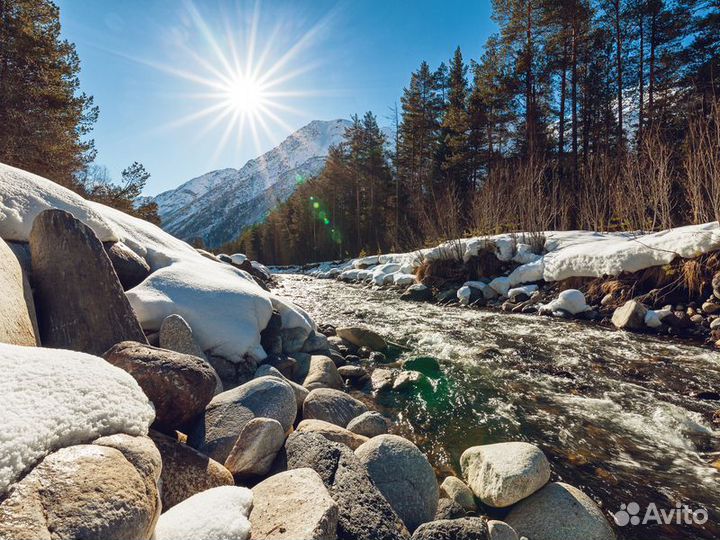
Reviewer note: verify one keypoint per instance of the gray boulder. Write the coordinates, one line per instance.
(559, 512)
(370, 424)
(130, 268)
(382, 379)
(403, 475)
(179, 385)
(630, 316)
(293, 339)
(227, 414)
(256, 448)
(293, 505)
(364, 514)
(332, 406)
(502, 474)
(449, 509)
(86, 491)
(80, 303)
(176, 335)
(499, 530)
(322, 373)
(301, 392)
(458, 491)
(453, 529)
(18, 325)
(362, 337)
(315, 342)
(185, 471)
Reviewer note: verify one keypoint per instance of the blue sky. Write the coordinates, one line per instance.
(154, 66)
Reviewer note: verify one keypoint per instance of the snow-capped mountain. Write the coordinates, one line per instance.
(218, 205)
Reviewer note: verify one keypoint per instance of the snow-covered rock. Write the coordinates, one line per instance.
(654, 317)
(54, 398)
(219, 513)
(238, 258)
(501, 285)
(224, 306)
(527, 290)
(570, 300)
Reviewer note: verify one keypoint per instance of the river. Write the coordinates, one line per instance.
(616, 413)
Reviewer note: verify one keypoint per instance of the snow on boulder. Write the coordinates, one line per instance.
(219, 513)
(24, 195)
(570, 300)
(403, 279)
(654, 317)
(54, 398)
(501, 285)
(238, 258)
(527, 290)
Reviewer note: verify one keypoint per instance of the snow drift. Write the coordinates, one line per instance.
(224, 306)
(54, 398)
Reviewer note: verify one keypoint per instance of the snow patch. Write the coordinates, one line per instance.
(570, 300)
(219, 513)
(53, 398)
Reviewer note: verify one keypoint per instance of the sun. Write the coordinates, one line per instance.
(245, 94)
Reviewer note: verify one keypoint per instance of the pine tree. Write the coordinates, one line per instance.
(44, 117)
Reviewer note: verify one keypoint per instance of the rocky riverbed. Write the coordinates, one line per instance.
(626, 417)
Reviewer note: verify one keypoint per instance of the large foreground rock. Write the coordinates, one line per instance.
(362, 337)
(559, 512)
(84, 491)
(453, 529)
(185, 471)
(332, 406)
(17, 316)
(216, 514)
(294, 505)
(364, 514)
(403, 475)
(227, 414)
(502, 474)
(179, 385)
(130, 268)
(80, 303)
(256, 447)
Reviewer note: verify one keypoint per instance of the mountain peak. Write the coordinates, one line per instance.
(216, 206)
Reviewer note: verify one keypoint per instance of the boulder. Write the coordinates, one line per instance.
(409, 379)
(18, 324)
(364, 514)
(293, 339)
(83, 491)
(499, 530)
(300, 391)
(457, 490)
(270, 337)
(176, 335)
(354, 374)
(369, 424)
(502, 474)
(453, 529)
(256, 447)
(417, 293)
(293, 505)
(716, 285)
(332, 432)
(322, 373)
(449, 509)
(362, 337)
(315, 342)
(382, 379)
(630, 316)
(559, 512)
(332, 406)
(216, 432)
(185, 471)
(80, 303)
(220, 513)
(179, 385)
(403, 475)
(131, 269)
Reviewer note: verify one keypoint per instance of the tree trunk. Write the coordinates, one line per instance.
(573, 97)
(641, 78)
(619, 66)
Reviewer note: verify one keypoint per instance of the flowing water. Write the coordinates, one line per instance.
(616, 413)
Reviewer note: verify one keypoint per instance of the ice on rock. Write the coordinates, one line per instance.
(53, 398)
(220, 513)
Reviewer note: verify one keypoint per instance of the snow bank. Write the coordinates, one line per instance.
(24, 195)
(219, 513)
(53, 398)
(224, 306)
